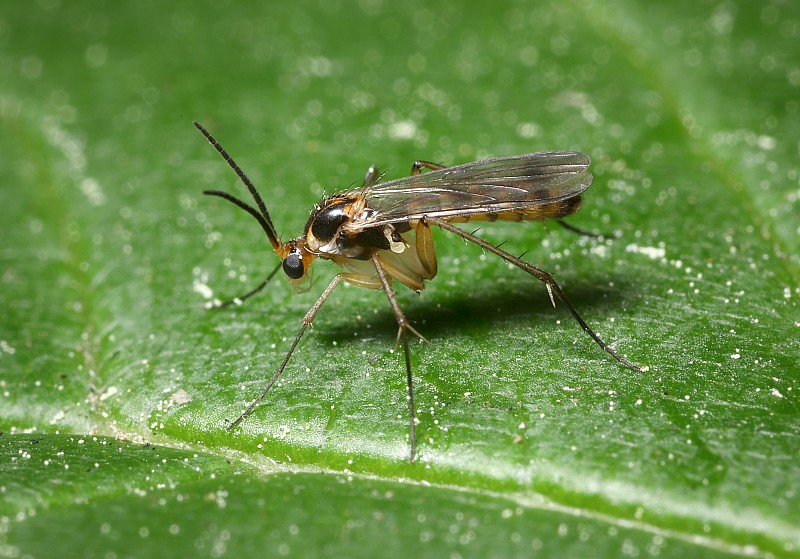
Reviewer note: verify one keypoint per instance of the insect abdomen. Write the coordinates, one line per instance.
(556, 210)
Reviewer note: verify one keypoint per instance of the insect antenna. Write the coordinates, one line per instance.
(263, 219)
(265, 225)
(261, 215)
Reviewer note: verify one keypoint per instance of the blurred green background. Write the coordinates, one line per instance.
(115, 381)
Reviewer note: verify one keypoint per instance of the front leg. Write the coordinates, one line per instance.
(307, 320)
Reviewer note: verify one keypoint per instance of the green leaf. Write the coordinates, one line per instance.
(117, 382)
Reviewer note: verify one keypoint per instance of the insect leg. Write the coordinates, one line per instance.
(419, 165)
(403, 325)
(541, 275)
(578, 230)
(307, 320)
(372, 176)
(239, 300)
(584, 232)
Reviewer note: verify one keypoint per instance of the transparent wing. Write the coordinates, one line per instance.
(492, 186)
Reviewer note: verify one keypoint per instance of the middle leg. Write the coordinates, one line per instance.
(402, 337)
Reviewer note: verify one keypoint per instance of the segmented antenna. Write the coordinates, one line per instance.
(262, 215)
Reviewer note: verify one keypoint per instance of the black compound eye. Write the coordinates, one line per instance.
(328, 221)
(293, 266)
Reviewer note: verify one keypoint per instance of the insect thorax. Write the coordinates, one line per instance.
(338, 227)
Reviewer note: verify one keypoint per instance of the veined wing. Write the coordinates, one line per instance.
(493, 186)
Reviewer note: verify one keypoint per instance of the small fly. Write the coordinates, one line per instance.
(381, 232)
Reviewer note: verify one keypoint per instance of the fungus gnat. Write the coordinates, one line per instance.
(381, 232)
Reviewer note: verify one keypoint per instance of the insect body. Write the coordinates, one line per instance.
(381, 232)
